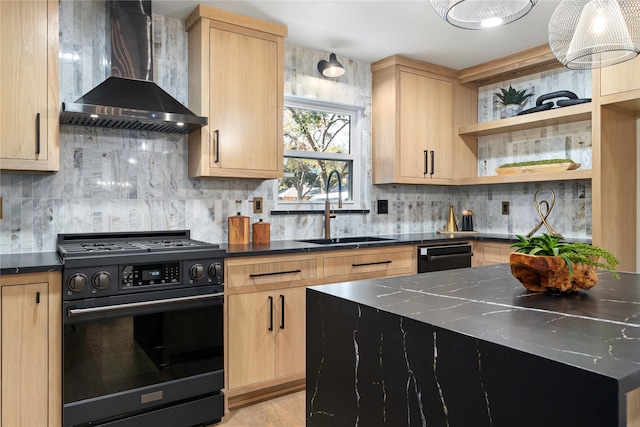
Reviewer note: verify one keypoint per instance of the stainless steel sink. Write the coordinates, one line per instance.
(337, 240)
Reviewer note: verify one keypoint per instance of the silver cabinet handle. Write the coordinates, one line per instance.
(73, 312)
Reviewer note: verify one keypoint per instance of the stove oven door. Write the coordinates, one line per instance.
(145, 359)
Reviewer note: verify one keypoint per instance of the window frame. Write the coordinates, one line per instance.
(354, 156)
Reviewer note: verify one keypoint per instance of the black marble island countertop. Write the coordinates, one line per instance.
(472, 347)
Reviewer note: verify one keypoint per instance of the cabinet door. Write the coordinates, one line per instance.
(28, 77)
(251, 338)
(621, 77)
(244, 107)
(426, 126)
(290, 331)
(25, 358)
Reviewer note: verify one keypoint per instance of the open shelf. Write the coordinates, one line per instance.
(526, 177)
(571, 114)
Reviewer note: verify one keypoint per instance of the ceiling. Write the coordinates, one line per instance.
(372, 30)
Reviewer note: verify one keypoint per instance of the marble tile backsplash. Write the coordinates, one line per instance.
(114, 180)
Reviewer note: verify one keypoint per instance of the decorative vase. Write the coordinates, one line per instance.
(551, 274)
(510, 110)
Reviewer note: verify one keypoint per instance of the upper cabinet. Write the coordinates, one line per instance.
(236, 79)
(29, 139)
(413, 122)
(620, 78)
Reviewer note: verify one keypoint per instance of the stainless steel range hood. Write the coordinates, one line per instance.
(129, 99)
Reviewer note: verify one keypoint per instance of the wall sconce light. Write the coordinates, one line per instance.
(331, 68)
(593, 34)
(477, 15)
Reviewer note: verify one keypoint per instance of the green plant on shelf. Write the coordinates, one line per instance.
(511, 96)
(536, 162)
(583, 253)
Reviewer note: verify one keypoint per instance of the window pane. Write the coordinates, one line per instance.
(305, 180)
(319, 131)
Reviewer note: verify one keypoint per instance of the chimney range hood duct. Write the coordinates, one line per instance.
(129, 99)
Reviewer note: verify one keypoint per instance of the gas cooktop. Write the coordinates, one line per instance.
(101, 246)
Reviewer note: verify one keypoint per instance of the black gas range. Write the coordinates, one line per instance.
(142, 329)
(105, 264)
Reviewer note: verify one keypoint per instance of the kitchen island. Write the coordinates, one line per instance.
(472, 347)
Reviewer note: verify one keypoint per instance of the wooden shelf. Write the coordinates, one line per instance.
(628, 100)
(571, 114)
(526, 177)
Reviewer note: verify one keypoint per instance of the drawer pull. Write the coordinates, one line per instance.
(274, 273)
(372, 263)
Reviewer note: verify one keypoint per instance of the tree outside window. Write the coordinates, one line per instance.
(318, 138)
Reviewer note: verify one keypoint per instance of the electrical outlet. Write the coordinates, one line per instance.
(383, 206)
(257, 205)
(505, 208)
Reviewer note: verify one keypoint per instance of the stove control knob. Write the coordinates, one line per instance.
(77, 282)
(215, 270)
(196, 272)
(101, 280)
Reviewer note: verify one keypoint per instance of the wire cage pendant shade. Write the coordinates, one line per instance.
(480, 14)
(586, 34)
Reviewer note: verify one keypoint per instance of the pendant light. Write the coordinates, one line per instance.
(480, 14)
(332, 68)
(587, 34)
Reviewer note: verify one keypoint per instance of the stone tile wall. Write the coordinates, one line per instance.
(113, 180)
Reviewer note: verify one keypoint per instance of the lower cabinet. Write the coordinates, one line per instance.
(266, 336)
(490, 253)
(265, 323)
(30, 350)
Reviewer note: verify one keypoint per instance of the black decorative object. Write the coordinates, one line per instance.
(572, 99)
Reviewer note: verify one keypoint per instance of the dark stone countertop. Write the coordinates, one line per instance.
(295, 246)
(36, 262)
(596, 330)
(47, 261)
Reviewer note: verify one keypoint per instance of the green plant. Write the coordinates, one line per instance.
(512, 96)
(536, 162)
(550, 245)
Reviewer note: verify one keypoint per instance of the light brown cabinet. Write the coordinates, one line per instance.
(613, 143)
(266, 336)
(266, 311)
(414, 112)
(620, 78)
(265, 322)
(236, 78)
(30, 350)
(29, 139)
(345, 265)
(490, 253)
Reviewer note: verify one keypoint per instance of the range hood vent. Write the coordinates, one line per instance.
(129, 99)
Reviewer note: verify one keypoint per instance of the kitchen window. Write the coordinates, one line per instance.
(319, 136)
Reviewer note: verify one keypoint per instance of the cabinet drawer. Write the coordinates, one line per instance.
(270, 272)
(496, 253)
(356, 264)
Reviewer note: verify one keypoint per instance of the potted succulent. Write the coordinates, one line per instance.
(512, 101)
(547, 263)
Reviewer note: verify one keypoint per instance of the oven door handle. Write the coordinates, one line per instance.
(463, 255)
(74, 312)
